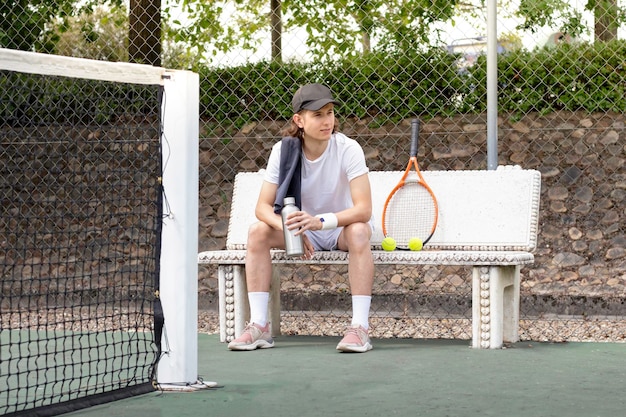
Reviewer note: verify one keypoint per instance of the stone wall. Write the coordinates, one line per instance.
(582, 244)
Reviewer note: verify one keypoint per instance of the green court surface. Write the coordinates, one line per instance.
(305, 376)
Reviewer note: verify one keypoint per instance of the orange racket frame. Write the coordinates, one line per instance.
(415, 124)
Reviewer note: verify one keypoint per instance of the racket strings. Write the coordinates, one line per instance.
(411, 212)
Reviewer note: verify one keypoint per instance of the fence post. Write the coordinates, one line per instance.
(492, 84)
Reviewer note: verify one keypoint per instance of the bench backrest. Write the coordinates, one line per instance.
(478, 210)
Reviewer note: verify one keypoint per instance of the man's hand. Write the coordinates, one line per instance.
(309, 251)
(303, 221)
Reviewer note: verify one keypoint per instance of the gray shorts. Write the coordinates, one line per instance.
(324, 239)
(327, 239)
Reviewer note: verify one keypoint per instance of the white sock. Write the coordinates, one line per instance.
(361, 310)
(258, 307)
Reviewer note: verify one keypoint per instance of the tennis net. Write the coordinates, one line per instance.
(80, 231)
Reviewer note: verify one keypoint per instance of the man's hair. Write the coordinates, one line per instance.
(294, 131)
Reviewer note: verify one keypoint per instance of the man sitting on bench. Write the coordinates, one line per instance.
(327, 174)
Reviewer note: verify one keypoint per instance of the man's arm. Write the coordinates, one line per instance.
(264, 210)
(361, 193)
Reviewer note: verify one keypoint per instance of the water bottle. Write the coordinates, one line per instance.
(294, 246)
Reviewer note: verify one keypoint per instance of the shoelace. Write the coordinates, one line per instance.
(250, 326)
(354, 331)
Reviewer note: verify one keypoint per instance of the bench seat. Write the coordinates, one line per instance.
(424, 257)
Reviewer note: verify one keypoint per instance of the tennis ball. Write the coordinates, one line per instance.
(415, 243)
(388, 243)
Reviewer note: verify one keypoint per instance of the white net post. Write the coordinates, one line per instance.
(178, 366)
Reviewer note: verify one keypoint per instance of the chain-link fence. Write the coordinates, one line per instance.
(561, 110)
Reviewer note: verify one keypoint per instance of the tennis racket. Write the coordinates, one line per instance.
(411, 210)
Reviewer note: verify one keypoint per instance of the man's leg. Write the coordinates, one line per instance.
(261, 238)
(355, 239)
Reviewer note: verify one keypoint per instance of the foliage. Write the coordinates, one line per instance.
(101, 34)
(558, 13)
(335, 27)
(395, 85)
(587, 77)
(391, 85)
(96, 29)
(204, 27)
(25, 24)
(67, 100)
(395, 80)
(250, 92)
(565, 16)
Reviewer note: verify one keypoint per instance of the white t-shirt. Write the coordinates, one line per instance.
(325, 181)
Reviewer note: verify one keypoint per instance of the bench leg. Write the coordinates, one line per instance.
(234, 309)
(224, 315)
(242, 306)
(495, 306)
(274, 306)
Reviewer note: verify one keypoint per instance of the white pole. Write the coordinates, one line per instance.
(178, 366)
(492, 84)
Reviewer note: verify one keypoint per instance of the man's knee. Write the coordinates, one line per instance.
(257, 229)
(358, 235)
(258, 234)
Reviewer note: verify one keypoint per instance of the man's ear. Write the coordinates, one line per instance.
(297, 119)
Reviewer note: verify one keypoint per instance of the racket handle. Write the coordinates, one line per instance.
(415, 131)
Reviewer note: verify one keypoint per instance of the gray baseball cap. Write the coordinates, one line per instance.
(312, 97)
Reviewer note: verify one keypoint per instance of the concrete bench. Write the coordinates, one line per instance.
(487, 220)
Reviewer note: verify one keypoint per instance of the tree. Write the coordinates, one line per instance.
(204, 29)
(336, 27)
(23, 22)
(276, 19)
(144, 33)
(564, 17)
(101, 34)
(606, 18)
(35, 25)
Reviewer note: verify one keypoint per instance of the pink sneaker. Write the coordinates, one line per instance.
(356, 339)
(253, 337)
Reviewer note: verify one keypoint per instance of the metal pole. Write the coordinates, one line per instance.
(492, 85)
(179, 280)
